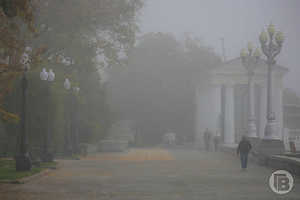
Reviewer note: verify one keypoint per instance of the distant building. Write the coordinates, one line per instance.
(222, 102)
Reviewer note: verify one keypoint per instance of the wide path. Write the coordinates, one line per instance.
(151, 174)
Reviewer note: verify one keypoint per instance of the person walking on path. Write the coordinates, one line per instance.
(243, 150)
(207, 137)
(217, 141)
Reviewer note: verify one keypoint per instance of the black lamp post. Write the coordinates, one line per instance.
(75, 131)
(23, 160)
(47, 156)
(71, 104)
(68, 151)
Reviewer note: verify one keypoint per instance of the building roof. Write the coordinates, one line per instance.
(261, 62)
(233, 72)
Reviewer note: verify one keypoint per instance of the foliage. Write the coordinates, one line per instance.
(75, 38)
(105, 28)
(17, 24)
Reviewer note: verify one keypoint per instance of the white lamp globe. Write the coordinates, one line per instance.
(51, 75)
(44, 75)
(67, 84)
(76, 89)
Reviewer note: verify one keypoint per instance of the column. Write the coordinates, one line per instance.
(277, 105)
(222, 116)
(280, 114)
(198, 133)
(251, 108)
(216, 107)
(263, 109)
(229, 135)
(271, 129)
(208, 108)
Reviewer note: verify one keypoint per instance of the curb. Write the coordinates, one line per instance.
(35, 176)
(27, 179)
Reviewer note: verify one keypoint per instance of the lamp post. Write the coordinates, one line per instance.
(67, 147)
(71, 137)
(47, 77)
(271, 45)
(23, 160)
(74, 134)
(249, 61)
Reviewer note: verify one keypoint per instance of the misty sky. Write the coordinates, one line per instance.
(238, 21)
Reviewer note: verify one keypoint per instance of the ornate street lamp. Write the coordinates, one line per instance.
(75, 130)
(249, 61)
(271, 49)
(271, 45)
(71, 137)
(47, 156)
(68, 146)
(23, 160)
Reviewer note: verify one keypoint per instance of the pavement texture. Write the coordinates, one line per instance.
(151, 174)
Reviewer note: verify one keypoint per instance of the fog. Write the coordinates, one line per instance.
(164, 71)
(149, 99)
(238, 22)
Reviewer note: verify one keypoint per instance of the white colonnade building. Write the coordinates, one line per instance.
(222, 102)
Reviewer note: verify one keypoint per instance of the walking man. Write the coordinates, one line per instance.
(207, 136)
(217, 141)
(243, 150)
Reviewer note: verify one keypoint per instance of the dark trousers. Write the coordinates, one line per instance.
(244, 160)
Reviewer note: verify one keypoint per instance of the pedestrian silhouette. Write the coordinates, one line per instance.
(207, 138)
(243, 150)
(217, 139)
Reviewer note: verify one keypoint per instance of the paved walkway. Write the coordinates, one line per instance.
(151, 174)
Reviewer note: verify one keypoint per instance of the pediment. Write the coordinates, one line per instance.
(235, 66)
(233, 72)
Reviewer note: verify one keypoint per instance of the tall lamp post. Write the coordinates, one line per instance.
(250, 60)
(271, 45)
(47, 77)
(71, 137)
(75, 134)
(67, 147)
(23, 160)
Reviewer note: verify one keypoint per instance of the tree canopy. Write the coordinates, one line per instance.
(74, 38)
(157, 88)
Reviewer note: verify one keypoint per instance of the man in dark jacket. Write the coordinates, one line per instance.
(243, 150)
(217, 139)
(207, 137)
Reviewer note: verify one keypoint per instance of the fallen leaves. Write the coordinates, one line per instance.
(134, 155)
